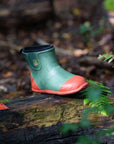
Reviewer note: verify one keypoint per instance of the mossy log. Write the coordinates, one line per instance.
(37, 120)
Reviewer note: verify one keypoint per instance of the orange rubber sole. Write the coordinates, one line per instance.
(3, 107)
(62, 93)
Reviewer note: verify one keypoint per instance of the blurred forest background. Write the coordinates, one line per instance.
(80, 30)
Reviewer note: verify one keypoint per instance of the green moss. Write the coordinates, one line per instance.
(51, 114)
(41, 115)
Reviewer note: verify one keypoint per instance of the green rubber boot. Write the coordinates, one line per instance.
(47, 76)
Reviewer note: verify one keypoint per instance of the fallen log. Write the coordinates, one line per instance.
(37, 119)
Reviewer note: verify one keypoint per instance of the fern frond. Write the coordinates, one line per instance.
(96, 96)
(106, 57)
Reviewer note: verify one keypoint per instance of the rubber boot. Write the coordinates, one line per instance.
(47, 76)
(3, 107)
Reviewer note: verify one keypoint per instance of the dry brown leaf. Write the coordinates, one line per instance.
(8, 74)
(79, 52)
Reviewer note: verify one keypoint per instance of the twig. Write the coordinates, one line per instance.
(58, 50)
(88, 60)
(9, 44)
(3, 81)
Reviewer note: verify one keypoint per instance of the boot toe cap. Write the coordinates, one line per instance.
(3, 107)
(76, 83)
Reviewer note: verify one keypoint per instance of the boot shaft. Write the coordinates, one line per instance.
(47, 75)
(40, 57)
(44, 68)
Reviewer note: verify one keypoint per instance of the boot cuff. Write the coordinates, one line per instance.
(37, 48)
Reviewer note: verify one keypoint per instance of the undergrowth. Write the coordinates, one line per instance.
(109, 5)
(106, 57)
(96, 98)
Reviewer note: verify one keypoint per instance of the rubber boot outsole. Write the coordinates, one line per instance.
(62, 93)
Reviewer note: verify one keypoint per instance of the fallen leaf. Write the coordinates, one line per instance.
(79, 52)
(8, 74)
(76, 11)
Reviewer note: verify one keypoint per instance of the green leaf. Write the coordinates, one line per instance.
(106, 57)
(86, 140)
(86, 101)
(109, 131)
(96, 96)
(109, 108)
(109, 5)
(84, 123)
(68, 127)
(103, 112)
(4, 101)
(83, 29)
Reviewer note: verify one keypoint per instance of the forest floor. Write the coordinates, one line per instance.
(77, 49)
(77, 53)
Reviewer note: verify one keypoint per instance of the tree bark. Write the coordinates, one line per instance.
(38, 118)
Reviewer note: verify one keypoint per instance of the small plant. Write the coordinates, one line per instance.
(96, 139)
(109, 5)
(87, 31)
(106, 57)
(4, 101)
(95, 95)
(87, 28)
